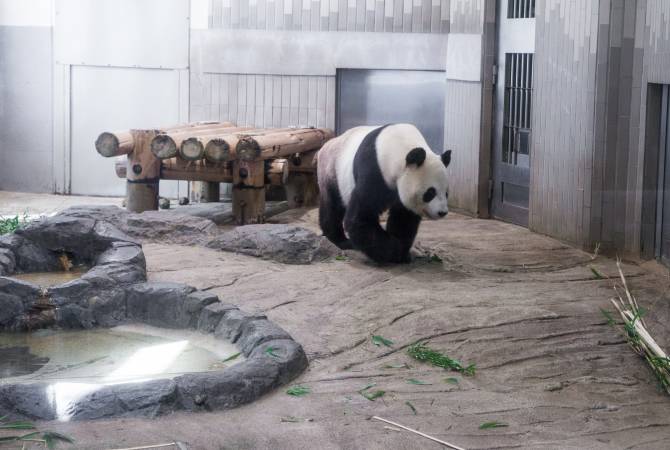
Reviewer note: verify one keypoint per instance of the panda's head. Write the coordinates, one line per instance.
(422, 186)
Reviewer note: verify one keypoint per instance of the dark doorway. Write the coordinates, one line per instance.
(378, 97)
(656, 196)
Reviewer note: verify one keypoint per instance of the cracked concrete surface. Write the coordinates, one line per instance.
(523, 307)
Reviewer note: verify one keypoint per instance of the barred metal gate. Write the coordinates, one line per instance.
(514, 89)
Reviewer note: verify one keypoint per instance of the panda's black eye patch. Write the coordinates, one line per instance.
(429, 194)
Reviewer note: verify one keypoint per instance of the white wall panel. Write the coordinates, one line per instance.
(129, 33)
(23, 13)
(109, 99)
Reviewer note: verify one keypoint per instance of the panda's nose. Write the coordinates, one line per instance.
(442, 213)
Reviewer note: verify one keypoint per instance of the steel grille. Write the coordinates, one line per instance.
(521, 9)
(517, 115)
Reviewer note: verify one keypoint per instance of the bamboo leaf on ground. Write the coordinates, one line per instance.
(493, 424)
(379, 340)
(298, 391)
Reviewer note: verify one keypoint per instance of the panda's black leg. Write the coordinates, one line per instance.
(331, 215)
(403, 224)
(368, 236)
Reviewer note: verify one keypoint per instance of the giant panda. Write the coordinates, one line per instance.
(368, 170)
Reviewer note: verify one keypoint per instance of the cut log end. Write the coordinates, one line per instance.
(107, 145)
(217, 150)
(191, 149)
(248, 149)
(163, 147)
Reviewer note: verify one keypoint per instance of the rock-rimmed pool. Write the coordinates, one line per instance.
(112, 297)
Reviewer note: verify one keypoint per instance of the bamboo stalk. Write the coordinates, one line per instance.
(434, 439)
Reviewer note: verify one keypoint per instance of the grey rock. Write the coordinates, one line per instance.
(166, 226)
(28, 256)
(28, 292)
(233, 322)
(124, 253)
(243, 382)
(257, 332)
(211, 315)
(160, 304)
(73, 316)
(71, 292)
(7, 261)
(113, 274)
(59, 233)
(288, 355)
(108, 308)
(283, 243)
(194, 304)
(29, 401)
(107, 233)
(11, 307)
(147, 399)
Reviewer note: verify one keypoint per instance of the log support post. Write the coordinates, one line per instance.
(209, 191)
(249, 191)
(302, 190)
(142, 174)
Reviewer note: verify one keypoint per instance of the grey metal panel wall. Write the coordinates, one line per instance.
(418, 16)
(563, 117)
(468, 105)
(264, 100)
(461, 133)
(652, 56)
(614, 219)
(26, 143)
(466, 16)
(656, 40)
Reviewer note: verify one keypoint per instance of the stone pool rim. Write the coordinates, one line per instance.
(114, 292)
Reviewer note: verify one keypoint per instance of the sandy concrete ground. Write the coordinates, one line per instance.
(524, 308)
(13, 203)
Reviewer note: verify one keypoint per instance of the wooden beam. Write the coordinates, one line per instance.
(280, 143)
(114, 144)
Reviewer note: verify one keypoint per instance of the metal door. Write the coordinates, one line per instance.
(112, 98)
(662, 234)
(513, 98)
(378, 97)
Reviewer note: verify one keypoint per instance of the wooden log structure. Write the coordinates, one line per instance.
(282, 143)
(210, 153)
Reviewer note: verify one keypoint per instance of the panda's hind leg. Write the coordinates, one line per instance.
(403, 224)
(331, 215)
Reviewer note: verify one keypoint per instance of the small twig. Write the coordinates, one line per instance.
(145, 447)
(595, 251)
(419, 433)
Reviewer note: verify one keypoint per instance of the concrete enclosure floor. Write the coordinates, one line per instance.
(523, 307)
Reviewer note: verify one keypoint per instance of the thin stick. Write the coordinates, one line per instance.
(171, 444)
(419, 433)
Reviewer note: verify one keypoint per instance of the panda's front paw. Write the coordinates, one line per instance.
(405, 259)
(345, 245)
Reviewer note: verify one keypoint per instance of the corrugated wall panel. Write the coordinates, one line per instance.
(563, 117)
(264, 100)
(415, 16)
(462, 134)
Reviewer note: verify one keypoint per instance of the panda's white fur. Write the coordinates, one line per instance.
(368, 170)
(393, 144)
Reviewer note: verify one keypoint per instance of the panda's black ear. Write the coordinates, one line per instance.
(416, 156)
(446, 158)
